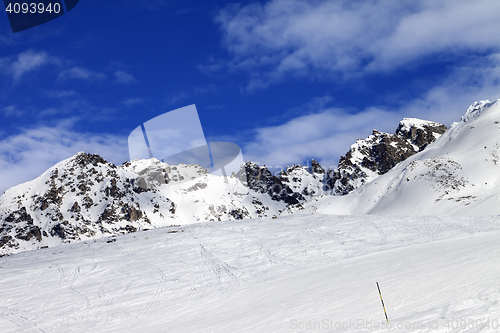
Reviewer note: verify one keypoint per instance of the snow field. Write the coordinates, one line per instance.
(302, 273)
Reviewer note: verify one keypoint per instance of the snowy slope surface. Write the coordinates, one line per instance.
(290, 274)
(458, 174)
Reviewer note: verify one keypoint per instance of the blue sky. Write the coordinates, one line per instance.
(286, 80)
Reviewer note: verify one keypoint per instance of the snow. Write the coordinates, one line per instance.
(262, 275)
(475, 109)
(407, 123)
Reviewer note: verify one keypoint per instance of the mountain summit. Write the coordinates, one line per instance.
(374, 156)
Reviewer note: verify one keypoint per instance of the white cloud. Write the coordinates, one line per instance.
(193, 92)
(440, 26)
(327, 39)
(59, 93)
(27, 61)
(81, 73)
(30, 61)
(12, 111)
(27, 155)
(448, 100)
(150, 4)
(130, 102)
(123, 77)
(177, 97)
(324, 136)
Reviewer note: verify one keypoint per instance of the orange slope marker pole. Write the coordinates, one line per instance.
(382, 303)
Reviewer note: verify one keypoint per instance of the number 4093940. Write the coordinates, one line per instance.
(33, 8)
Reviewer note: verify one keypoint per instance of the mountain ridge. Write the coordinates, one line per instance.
(86, 197)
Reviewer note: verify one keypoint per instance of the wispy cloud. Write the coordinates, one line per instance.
(447, 100)
(82, 74)
(130, 102)
(8, 38)
(59, 93)
(183, 95)
(324, 136)
(76, 109)
(177, 97)
(337, 39)
(31, 61)
(25, 62)
(150, 4)
(12, 111)
(28, 61)
(123, 77)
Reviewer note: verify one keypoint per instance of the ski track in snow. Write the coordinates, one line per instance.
(76, 275)
(19, 319)
(217, 266)
(54, 292)
(193, 279)
(161, 284)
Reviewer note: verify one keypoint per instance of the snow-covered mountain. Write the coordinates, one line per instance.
(416, 171)
(87, 197)
(458, 174)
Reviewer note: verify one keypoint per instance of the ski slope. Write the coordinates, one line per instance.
(300, 273)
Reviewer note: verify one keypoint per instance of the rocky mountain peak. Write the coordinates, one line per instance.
(261, 180)
(84, 159)
(380, 152)
(79, 198)
(316, 168)
(418, 132)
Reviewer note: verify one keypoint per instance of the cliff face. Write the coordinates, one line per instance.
(380, 152)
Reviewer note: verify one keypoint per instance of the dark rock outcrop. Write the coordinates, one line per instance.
(261, 180)
(380, 152)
